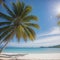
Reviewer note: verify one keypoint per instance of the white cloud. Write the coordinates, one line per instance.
(54, 30)
(51, 38)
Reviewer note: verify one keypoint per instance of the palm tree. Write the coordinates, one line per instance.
(18, 23)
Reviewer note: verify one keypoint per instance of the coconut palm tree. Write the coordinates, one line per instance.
(18, 23)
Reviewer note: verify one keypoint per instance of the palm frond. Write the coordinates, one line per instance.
(4, 23)
(1, 49)
(4, 16)
(2, 29)
(5, 33)
(20, 7)
(29, 33)
(9, 36)
(30, 18)
(32, 33)
(8, 10)
(23, 34)
(32, 25)
(23, 6)
(14, 8)
(18, 33)
(26, 11)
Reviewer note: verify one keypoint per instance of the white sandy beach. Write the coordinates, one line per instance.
(40, 56)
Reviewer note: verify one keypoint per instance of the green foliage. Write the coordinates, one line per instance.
(18, 22)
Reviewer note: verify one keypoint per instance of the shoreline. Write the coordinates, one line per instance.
(30, 56)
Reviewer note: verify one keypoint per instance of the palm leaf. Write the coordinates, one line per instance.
(30, 18)
(4, 29)
(4, 23)
(6, 36)
(14, 8)
(8, 10)
(18, 33)
(20, 7)
(26, 11)
(4, 16)
(32, 25)
(29, 33)
(5, 32)
(32, 33)
(9, 36)
(24, 36)
(23, 33)
(6, 42)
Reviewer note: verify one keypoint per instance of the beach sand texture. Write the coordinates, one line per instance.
(42, 56)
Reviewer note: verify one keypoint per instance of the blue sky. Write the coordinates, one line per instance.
(46, 11)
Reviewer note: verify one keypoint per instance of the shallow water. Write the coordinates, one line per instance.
(31, 50)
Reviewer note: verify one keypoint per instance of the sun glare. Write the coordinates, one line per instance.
(58, 9)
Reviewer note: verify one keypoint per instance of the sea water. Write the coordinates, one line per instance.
(31, 50)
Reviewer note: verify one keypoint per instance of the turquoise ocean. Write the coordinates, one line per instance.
(31, 50)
